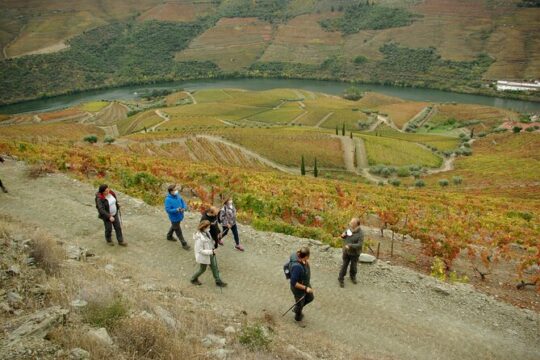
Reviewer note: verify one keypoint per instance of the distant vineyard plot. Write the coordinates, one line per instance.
(302, 40)
(233, 44)
(178, 11)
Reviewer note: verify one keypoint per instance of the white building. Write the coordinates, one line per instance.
(517, 86)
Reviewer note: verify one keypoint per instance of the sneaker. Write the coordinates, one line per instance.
(171, 239)
(196, 282)
(353, 280)
(122, 243)
(301, 324)
(4, 190)
(220, 241)
(110, 243)
(221, 284)
(341, 283)
(186, 247)
(299, 318)
(239, 247)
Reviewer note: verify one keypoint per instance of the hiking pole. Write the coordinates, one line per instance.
(296, 303)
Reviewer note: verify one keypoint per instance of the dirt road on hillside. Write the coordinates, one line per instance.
(393, 313)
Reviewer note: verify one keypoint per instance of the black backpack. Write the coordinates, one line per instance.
(287, 267)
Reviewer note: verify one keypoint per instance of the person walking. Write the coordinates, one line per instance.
(175, 208)
(300, 282)
(227, 217)
(211, 214)
(205, 254)
(109, 211)
(2, 185)
(353, 240)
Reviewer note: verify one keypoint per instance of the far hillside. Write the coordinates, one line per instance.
(60, 47)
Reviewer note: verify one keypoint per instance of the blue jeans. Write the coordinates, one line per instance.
(234, 230)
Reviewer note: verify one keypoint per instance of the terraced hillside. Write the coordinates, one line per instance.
(456, 45)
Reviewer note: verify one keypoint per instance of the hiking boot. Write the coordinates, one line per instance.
(239, 247)
(298, 317)
(110, 243)
(196, 282)
(186, 247)
(122, 243)
(171, 239)
(4, 190)
(221, 284)
(341, 283)
(301, 324)
(353, 280)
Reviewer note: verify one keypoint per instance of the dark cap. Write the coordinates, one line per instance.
(171, 187)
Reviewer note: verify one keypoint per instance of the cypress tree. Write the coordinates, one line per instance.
(351, 134)
(343, 130)
(315, 171)
(302, 167)
(337, 132)
(355, 159)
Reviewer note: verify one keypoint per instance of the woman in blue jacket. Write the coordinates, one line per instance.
(175, 207)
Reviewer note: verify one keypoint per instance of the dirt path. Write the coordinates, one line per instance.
(162, 115)
(388, 122)
(421, 114)
(393, 313)
(111, 131)
(324, 119)
(298, 118)
(193, 97)
(361, 154)
(348, 145)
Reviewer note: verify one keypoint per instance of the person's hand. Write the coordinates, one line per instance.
(309, 290)
(111, 219)
(229, 226)
(347, 247)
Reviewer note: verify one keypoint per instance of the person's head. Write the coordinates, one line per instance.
(228, 201)
(303, 253)
(203, 225)
(172, 189)
(212, 210)
(354, 223)
(103, 189)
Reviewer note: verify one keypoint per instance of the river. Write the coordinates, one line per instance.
(329, 87)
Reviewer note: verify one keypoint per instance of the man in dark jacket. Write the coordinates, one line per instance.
(300, 282)
(211, 214)
(108, 211)
(2, 185)
(175, 208)
(353, 240)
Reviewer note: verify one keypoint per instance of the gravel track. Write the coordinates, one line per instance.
(393, 312)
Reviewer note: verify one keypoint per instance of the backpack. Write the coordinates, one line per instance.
(287, 267)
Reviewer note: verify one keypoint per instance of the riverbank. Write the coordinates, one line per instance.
(131, 91)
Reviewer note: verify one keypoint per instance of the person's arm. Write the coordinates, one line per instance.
(169, 208)
(359, 241)
(183, 205)
(101, 209)
(296, 274)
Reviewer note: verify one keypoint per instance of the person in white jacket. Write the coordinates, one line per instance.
(205, 254)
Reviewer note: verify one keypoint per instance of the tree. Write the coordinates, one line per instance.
(355, 159)
(108, 140)
(91, 139)
(443, 182)
(302, 167)
(516, 129)
(337, 131)
(351, 135)
(315, 170)
(343, 130)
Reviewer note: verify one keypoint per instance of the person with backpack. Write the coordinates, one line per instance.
(2, 185)
(300, 276)
(227, 217)
(175, 208)
(353, 240)
(109, 211)
(205, 254)
(211, 214)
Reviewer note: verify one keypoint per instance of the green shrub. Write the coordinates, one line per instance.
(443, 182)
(419, 183)
(395, 182)
(255, 337)
(403, 172)
(516, 129)
(360, 60)
(105, 314)
(109, 140)
(457, 180)
(91, 139)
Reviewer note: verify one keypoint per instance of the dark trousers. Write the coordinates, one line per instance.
(2, 185)
(175, 227)
(349, 259)
(301, 303)
(234, 230)
(117, 229)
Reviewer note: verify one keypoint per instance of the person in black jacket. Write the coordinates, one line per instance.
(108, 211)
(353, 240)
(211, 214)
(2, 185)
(301, 282)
